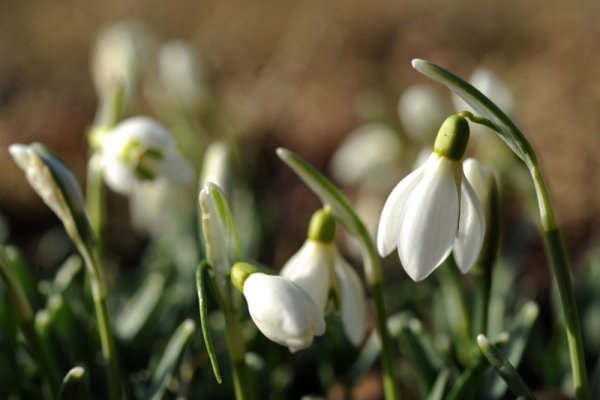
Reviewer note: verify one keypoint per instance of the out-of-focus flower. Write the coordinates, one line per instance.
(54, 182)
(120, 53)
(422, 110)
(490, 84)
(434, 210)
(182, 76)
(139, 149)
(281, 310)
(330, 281)
(368, 150)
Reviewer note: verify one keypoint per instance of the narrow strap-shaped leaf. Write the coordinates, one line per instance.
(507, 130)
(75, 386)
(138, 309)
(437, 391)
(170, 360)
(204, 323)
(514, 349)
(504, 368)
(411, 346)
(469, 382)
(327, 192)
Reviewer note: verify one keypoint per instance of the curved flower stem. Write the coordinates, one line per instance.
(331, 196)
(562, 274)
(25, 318)
(107, 341)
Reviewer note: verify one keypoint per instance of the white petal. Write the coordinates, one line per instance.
(430, 220)
(354, 303)
(283, 311)
(389, 222)
(471, 230)
(309, 269)
(175, 168)
(118, 176)
(147, 130)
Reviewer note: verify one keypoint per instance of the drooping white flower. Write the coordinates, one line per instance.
(319, 269)
(182, 75)
(434, 210)
(281, 310)
(139, 149)
(421, 111)
(119, 56)
(368, 150)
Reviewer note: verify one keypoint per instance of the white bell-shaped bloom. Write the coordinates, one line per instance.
(282, 310)
(320, 270)
(434, 210)
(139, 149)
(421, 111)
(367, 151)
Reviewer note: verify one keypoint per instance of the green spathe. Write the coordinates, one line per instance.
(322, 226)
(452, 138)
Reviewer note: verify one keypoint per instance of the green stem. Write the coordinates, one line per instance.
(96, 199)
(562, 274)
(373, 275)
(107, 341)
(237, 353)
(25, 318)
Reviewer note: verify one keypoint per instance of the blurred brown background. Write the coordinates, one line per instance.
(291, 73)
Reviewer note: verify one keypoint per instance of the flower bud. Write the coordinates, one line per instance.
(54, 182)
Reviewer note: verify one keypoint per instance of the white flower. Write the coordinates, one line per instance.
(183, 77)
(319, 269)
(330, 281)
(140, 149)
(434, 210)
(368, 150)
(421, 110)
(282, 311)
(119, 55)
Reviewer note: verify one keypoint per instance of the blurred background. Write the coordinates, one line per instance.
(303, 75)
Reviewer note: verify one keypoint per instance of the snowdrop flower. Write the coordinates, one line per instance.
(281, 310)
(330, 281)
(434, 210)
(139, 149)
(421, 110)
(369, 149)
(183, 76)
(118, 57)
(54, 182)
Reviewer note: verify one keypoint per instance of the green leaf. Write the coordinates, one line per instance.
(138, 309)
(170, 360)
(325, 189)
(74, 386)
(204, 322)
(437, 391)
(469, 382)
(514, 349)
(504, 368)
(482, 105)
